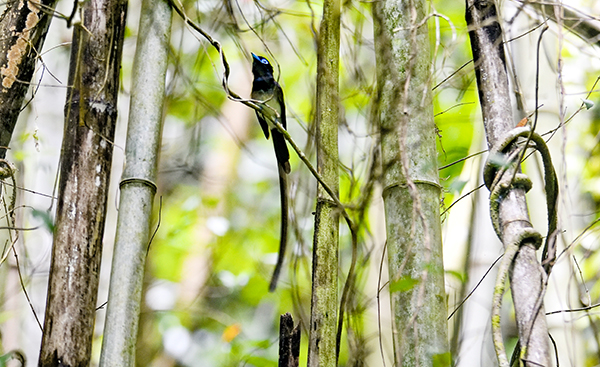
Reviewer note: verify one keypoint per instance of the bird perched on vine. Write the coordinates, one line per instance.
(266, 89)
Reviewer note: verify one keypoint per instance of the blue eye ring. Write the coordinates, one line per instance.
(264, 61)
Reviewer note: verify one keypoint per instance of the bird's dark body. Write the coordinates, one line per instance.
(266, 89)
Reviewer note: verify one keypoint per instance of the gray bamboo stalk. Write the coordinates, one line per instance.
(90, 119)
(527, 277)
(137, 188)
(324, 302)
(411, 190)
(23, 28)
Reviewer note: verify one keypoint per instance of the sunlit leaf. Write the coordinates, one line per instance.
(403, 284)
(442, 360)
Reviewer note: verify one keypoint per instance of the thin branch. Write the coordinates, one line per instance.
(476, 286)
(24, 289)
(586, 308)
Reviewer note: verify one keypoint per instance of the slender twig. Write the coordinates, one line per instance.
(19, 228)
(379, 288)
(450, 108)
(460, 198)
(578, 237)
(24, 289)
(462, 159)
(476, 286)
(587, 291)
(535, 118)
(157, 225)
(453, 74)
(586, 308)
(262, 107)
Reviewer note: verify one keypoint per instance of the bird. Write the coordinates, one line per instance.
(266, 89)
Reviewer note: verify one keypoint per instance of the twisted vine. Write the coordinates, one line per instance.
(500, 179)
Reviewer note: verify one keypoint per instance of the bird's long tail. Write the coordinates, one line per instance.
(284, 226)
(281, 150)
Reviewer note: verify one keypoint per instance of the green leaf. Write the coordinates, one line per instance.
(260, 361)
(12, 355)
(45, 217)
(442, 360)
(498, 160)
(403, 284)
(457, 186)
(262, 344)
(458, 275)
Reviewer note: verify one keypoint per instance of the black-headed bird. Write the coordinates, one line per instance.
(266, 89)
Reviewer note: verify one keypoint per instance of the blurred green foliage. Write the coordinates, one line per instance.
(240, 260)
(231, 319)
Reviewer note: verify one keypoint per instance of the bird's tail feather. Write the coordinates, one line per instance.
(281, 150)
(284, 227)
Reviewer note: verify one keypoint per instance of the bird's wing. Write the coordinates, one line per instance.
(263, 124)
(278, 96)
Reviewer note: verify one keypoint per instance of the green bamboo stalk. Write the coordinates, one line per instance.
(324, 302)
(411, 186)
(137, 185)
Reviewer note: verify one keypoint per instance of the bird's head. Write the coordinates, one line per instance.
(261, 66)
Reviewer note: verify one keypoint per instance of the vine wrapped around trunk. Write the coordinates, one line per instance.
(508, 206)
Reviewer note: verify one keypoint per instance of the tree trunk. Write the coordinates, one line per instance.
(289, 341)
(511, 218)
(23, 28)
(90, 118)
(411, 191)
(324, 302)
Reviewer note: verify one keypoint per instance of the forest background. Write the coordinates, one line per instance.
(206, 299)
